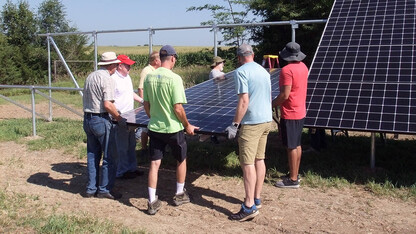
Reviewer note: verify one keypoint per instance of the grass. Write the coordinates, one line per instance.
(25, 214)
(145, 49)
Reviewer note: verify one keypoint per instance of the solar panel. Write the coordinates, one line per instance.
(363, 76)
(211, 105)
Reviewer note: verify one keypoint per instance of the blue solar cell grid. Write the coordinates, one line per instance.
(363, 76)
(211, 105)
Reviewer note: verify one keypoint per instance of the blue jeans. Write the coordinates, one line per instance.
(126, 149)
(98, 130)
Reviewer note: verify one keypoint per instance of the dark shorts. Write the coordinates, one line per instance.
(176, 142)
(291, 130)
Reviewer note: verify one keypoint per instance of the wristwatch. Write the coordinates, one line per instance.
(235, 124)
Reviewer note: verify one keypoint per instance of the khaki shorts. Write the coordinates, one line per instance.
(252, 142)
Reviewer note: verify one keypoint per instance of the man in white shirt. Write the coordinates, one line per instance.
(125, 139)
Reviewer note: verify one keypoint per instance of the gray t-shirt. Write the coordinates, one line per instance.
(215, 73)
(98, 87)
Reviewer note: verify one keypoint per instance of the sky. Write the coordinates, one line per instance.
(90, 15)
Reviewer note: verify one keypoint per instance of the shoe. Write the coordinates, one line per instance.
(181, 198)
(128, 175)
(288, 176)
(153, 207)
(138, 173)
(287, 183)
(257, 202)
(89, 195)
(112, 195)
(245, 213)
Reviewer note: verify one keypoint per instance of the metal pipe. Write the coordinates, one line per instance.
(150, 40)
(294, 27)
(373, 151)
(316, 21)
(94, 34)
(65, 65)
(23, 107)
(215, 39)
(49, 78)
(32, 91)
(59, 103)
(40, 87)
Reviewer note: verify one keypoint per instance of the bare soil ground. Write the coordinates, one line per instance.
(59, 182)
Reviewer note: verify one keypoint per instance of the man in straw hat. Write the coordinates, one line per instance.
(293, 83)
(98, 105)
(254, 115)
(163, 95)
(217, 66)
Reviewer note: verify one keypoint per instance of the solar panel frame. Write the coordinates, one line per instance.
(362, 76)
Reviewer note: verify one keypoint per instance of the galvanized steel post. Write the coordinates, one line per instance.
(32, 91)
(215, 28)
(151, 32)
(294, 27)
(49, 78)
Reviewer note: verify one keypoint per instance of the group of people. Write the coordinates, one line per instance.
(162, 93)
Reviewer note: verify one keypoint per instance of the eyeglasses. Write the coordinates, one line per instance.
(176, 56)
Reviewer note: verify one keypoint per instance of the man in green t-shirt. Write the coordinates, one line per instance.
(163, 95)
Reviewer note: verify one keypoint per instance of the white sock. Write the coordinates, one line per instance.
(179, 187)
(152, 194)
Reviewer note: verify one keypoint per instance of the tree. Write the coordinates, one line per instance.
(52, 19)
(272, 39)
(234, 36)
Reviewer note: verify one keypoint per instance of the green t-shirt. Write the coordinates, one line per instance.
(162, 89)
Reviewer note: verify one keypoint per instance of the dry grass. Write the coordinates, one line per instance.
(145, 49)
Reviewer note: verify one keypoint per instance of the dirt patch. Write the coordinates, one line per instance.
(59, 180)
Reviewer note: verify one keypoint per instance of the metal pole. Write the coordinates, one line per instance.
(94, 34)
(32, 90)
(151, 32)
(49, 79)
(215, 39)
(294, 27)
(64, 62)
(373, 151)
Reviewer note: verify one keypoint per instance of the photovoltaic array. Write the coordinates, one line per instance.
(211, 105)
(363, 76)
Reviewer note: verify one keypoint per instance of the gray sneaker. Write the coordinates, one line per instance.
(287, 183)
(153, 207)
(288, 176)
(181, 198)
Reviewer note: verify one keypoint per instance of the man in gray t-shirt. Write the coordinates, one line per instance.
(98, 101)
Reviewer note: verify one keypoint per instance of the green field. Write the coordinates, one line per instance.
(145, 49)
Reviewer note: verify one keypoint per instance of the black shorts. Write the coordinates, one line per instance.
(291, 130)
(176, 141)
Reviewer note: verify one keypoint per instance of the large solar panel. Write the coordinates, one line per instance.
(363, 76)
(211, 105)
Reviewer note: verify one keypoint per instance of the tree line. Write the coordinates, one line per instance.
(23, 54)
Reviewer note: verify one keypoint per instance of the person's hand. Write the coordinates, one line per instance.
(231, 131)
(190, 129)
(122, 122)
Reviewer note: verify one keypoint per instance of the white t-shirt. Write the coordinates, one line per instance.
(123, 95)
(215, 73)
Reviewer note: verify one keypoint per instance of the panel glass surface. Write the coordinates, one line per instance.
(363, 75)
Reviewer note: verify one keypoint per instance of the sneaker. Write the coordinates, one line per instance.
(288, 176)
(245, 213)
(287, 183)
(257, 202)
(153, 207)
(181, 198)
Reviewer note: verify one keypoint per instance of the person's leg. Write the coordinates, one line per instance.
(293, 163)
(107, 160)
(181, 171)
(93, 158)
(144, 138)
(131, 152)
(260, 174)
(249, 175)
(153, 173)
(122, 146)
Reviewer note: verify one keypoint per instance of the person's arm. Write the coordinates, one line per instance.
(242, 106)
(283, 95)
(112, 110)
(140, 92)
(137, 98)
(180, 113)
(146, 105)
